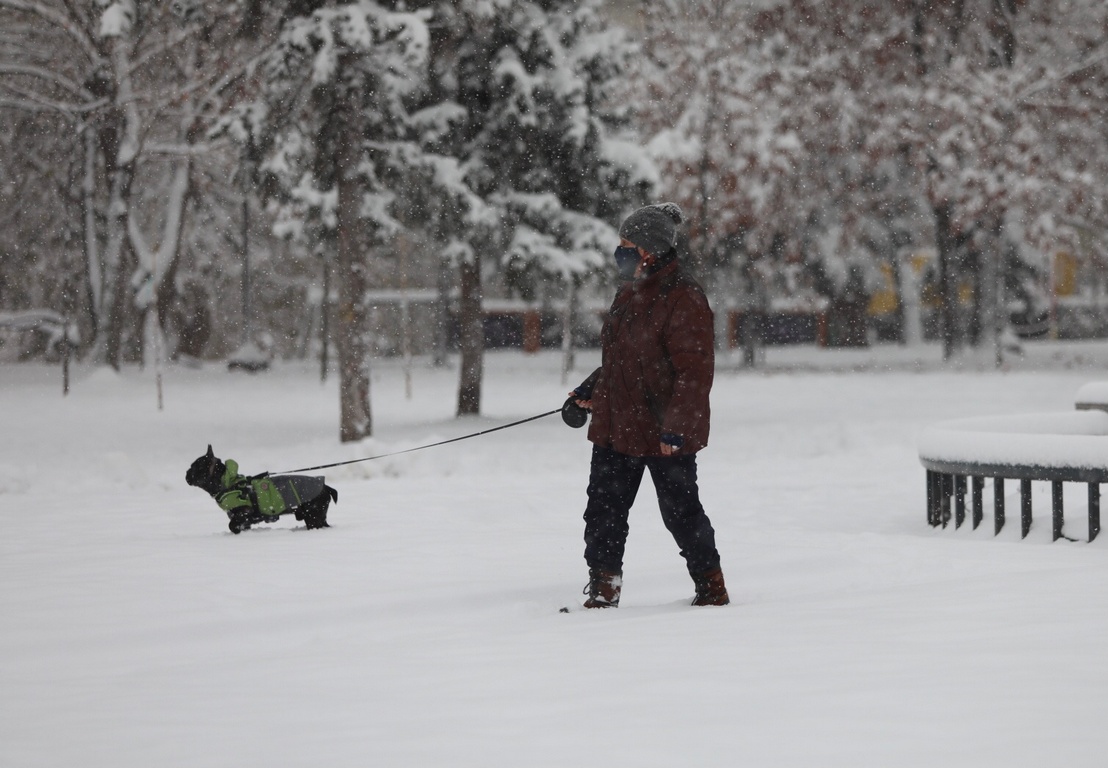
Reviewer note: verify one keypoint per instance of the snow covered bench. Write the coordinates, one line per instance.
(55, 333)
(1093, 396)
(1051, 447)
(39, 331)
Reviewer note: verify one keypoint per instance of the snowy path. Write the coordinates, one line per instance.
(422, 629)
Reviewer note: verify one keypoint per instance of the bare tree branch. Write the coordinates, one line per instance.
(62, 22)
(35, 102)
(1097, 57)
(162, 47)
(184, 150)
(47, 75)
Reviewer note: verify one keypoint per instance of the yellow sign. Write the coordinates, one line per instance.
(884, 300)
(1065, 274)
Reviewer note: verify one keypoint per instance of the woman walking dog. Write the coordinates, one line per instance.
(650, 411)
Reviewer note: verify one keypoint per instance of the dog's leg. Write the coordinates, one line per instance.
(238, 522)
(315, 512)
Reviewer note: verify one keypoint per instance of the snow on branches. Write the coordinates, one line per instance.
(845, 128)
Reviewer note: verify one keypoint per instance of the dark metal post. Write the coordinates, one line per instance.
(1025, 508)
(959, 500)
(1094, 510)
(946, 483)
(978, 488)
(1056, 508)
(932, 517)
(998, 505)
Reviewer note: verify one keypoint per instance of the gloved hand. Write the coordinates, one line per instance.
(670, 443)
(673, 440)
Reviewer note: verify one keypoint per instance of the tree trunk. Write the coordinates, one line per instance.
(442, 314)
(472, 338)
(123, 152)
(93, 279)
(117, 303)
(356, 420)
(992, 293)
(247, 312)
(325, 317)
(910, 299)
(948, 285)
(568, 319)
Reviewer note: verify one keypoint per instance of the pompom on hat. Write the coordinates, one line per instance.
(653, 228)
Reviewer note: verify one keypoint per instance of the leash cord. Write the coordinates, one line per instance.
(422, 447)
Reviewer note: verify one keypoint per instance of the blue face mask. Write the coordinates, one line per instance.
(627, 261)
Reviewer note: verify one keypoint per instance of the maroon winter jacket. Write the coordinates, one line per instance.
(657, 364)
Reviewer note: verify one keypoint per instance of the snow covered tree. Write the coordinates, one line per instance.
(723, 99)
(991, 103)
(334, 122)
(137, 82)
(865, 114)
(520, 99)
(718, 98)
(502, 147)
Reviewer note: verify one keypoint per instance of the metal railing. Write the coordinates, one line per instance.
(949, 483)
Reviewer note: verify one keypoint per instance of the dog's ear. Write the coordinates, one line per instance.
(209, 454)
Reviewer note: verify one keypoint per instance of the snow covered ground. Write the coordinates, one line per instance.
(423, 630)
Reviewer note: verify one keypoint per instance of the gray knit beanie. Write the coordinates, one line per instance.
(653, 228)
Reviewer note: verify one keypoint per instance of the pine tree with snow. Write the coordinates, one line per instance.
(334, 122)
(520, 101)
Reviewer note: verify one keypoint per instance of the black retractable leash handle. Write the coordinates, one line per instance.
(572, 414)
(441, 442)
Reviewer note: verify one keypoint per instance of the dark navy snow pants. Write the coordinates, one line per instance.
(613, 484)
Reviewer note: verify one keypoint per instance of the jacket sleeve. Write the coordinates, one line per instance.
(584, 389)
(690, 346)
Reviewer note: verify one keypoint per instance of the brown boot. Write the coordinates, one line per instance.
(710, 589)
(603, 589)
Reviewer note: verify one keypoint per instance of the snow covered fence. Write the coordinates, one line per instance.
(1051, 447)
(58, 336)
(57, 333)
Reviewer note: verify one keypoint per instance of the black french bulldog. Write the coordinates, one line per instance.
(261, 499)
